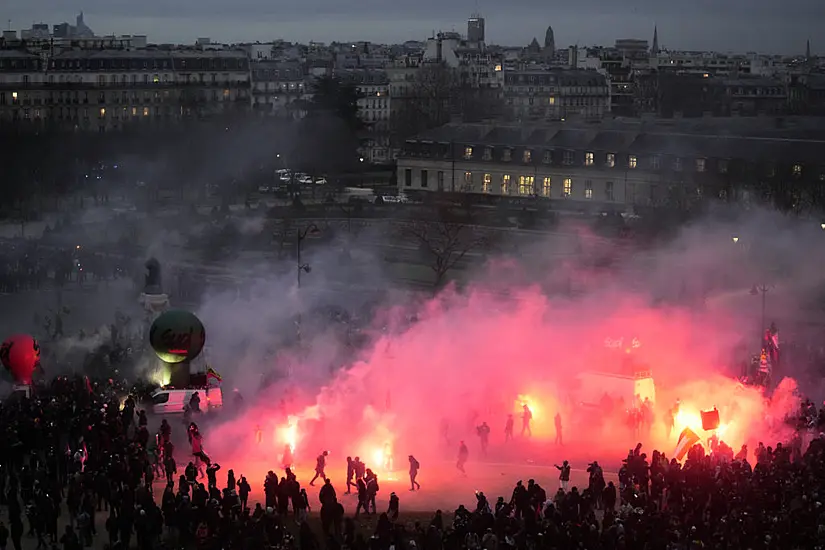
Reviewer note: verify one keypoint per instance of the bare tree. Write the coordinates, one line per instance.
(438, 94)
(476, 104)
(443, 244)
(425, 104)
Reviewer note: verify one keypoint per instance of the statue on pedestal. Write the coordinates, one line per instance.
(152, 278)
(152, 297)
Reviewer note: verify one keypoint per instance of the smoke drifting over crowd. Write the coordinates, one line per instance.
(520, 330)
(436, 369)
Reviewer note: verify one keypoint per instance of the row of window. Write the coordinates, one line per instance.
(655, 161)
(551, 80)
(275, 74)
(525, 186)
(69, 113)
(123, 97)
(147, 64)
(122, 80)
(125, 64)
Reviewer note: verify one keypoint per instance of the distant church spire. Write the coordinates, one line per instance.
(654, 49)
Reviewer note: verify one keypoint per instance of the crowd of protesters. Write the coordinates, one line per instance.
(79, 468)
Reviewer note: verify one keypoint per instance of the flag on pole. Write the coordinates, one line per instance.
(212, 373)
(687, 439)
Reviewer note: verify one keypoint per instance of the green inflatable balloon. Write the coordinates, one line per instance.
(177, 336)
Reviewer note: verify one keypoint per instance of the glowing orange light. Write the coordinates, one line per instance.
(688, 417)
(288, 434)
(523, 400)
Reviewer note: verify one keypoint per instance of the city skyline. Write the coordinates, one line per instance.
(734, 27)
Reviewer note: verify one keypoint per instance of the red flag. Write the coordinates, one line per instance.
(88, 384)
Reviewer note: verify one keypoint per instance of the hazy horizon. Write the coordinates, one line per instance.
(734, 27)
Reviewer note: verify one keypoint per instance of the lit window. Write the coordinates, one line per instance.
(146, 111)
(677, 164)
(488, 183)
(226, 94)
(488, 154)
(102, 112)
(552, 100)
(156, 79)
(797, 169)
(700, 165)
(505, 184)
(506, 155)
(525, 185)
(14, 96)
(468, 152)
(610, 160)
(608, 190)
(547, 186)
(527, 156)
(588, 189)
(134, 111)
(498, 67)
(588, 159)
(631, 161)
(468, 180)
(568, 187)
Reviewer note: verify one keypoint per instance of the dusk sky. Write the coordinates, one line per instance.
(729, 25)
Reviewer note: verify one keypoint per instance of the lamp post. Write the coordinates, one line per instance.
(311, 229)
(763, 290)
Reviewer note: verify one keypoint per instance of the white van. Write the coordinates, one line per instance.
(172, 401)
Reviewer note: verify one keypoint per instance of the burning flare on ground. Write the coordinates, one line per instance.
(287, 434)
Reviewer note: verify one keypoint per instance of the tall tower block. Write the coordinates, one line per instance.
(475, 28)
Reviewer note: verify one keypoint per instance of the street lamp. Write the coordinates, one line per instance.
(822, 226)
(735, 239)
(311, 229)
(306, 268)
(763, 290)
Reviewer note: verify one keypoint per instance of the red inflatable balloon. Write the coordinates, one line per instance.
(20, 355)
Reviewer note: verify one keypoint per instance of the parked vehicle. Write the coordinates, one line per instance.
(173, 401)
(284, 174)
(357, 194)
(395, 199)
